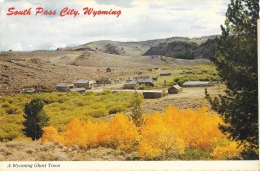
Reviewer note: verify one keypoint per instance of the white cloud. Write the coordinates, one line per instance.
(139, 20)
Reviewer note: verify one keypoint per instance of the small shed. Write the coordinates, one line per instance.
(109, 69)
(155, 78)
(30, 91)
(104, 81)
(175, 89)
(165, 74)
(78, 90)
(83, 83)
(63, 87)
(131, 84)
(196, 84)
(153, 94)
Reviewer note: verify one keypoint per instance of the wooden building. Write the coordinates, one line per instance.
(131, 84)
(83, 83)
(104, 81)
(153, 94)
(175, 89)
(64, 87)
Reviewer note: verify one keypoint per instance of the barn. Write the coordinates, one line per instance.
(147, 80)
(175, 89)
(153, 94)
(104, 81)
(131, 84)
(83, 83)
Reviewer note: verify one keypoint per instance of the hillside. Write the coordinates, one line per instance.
(45, 69)
(171, 47)
(185, 48)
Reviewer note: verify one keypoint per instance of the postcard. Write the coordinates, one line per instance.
(129, 85)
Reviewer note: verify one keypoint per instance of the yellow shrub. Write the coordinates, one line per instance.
(226, 149)
(50, 134)
(162, 137)
(121, 133)
(158, 140)
(196, 128)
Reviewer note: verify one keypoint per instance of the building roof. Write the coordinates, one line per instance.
(82, 81)
(103, 79)
(154, 91)
(140, 77)
(130, 82)
(176, 86)
(194, 83)
(145, 80)
(165, 73)
(77, 89)
(62, 85)
(30, 91)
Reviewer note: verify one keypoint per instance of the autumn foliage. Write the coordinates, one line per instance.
(167, 136)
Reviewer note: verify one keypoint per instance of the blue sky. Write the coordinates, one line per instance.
(139, 20)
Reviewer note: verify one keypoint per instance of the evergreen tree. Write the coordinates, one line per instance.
(35, 119)
(137, 113)
(236, 62)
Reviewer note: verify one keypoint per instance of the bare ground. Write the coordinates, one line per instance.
(48, 68)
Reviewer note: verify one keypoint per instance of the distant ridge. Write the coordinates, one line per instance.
(176, 47)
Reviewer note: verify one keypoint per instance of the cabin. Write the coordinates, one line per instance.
(175, 89)
(147, 80)
(196, 84)
(131, 84)
(83, 83)
(153, 94)
(109, 69)
(104, 81)
(165, 74)
(64, 87)
(155, 78)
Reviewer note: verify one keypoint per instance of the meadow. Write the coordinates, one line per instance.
(62, 108)
(192, 73)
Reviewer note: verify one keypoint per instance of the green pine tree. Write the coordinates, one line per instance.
(236, 62)
(137, 113)
(35, 118)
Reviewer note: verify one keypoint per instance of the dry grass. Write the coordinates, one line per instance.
(36, 151)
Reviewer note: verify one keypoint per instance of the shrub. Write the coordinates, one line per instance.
(50, 134)
(121, 133)
(116, 109)
(13, 110)
(195, 154)
(5, 105)
(145, 87)
(96, 113)
(159, 141)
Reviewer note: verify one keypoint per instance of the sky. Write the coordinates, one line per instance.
(133, 20)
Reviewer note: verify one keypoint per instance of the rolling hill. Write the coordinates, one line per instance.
(48, 68)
